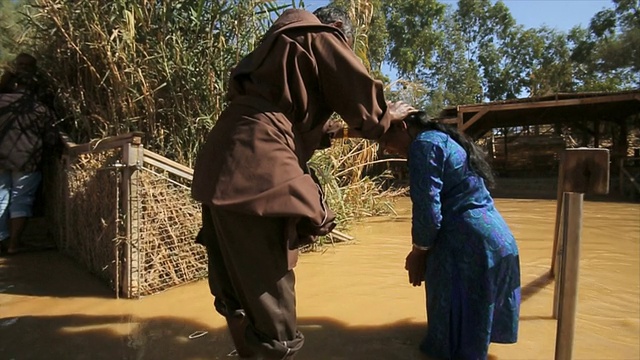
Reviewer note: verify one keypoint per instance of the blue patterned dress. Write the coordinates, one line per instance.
(473, 270)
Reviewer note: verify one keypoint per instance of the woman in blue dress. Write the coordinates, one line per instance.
(462, 247)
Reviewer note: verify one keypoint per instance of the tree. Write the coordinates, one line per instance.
(454, 77)
(413, 39)
(625, 51)
(606, 54)
(552, 68)
(501, 49)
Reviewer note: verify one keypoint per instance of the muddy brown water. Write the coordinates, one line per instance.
(354, 301)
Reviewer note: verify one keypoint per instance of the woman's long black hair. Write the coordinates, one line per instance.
(475, 156)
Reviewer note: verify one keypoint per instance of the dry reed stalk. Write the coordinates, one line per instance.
(169, 224)
(91, 190)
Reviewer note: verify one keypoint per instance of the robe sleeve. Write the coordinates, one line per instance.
(426, 165)
(348, 88)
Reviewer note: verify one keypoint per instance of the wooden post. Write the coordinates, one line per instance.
(132, 157)
(66, 231)
(505, 131)
(570, 265)
(492, 146)
(559, 246)
(581, 171)
(556, 233)
(621, 175)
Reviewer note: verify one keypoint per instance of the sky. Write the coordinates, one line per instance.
(558, 14)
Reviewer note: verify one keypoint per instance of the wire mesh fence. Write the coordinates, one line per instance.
(83, 210)
(130, 222)
(169, 221)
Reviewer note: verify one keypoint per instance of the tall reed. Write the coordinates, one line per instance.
(160, 67)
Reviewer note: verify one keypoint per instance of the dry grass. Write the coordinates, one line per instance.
(168, 224)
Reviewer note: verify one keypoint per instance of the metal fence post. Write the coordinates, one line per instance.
(131, 159)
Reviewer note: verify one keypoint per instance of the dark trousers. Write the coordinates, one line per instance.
(250, 279)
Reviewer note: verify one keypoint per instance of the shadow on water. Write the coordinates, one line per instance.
(48, 273)
(536, 285)
(106, 337)
(127, 337)
(79, 337)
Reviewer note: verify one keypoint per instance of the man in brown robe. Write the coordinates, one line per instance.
(260, 203)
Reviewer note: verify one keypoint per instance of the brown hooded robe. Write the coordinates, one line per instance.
(251, 174)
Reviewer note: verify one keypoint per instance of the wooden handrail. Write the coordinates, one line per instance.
(74, 149)
(134, 138)
(163, 163)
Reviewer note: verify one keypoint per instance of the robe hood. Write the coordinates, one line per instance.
(290, 19)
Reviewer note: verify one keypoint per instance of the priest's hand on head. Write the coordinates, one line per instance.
(399, 110)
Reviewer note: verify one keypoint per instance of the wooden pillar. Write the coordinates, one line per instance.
(66, 230)
(621, 176)
(620, 144)
(623, 142)
(492, 145)
(505, 131)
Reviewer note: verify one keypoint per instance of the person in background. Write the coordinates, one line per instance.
(26, 125)
(24, 67)
(260, 201)
(462, 248)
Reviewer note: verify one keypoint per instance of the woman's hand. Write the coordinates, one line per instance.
(399, 110)
(416, 265)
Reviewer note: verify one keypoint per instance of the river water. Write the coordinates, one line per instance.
(354, 301)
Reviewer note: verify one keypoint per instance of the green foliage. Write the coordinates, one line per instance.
(476, 52)
(454, 76)
(605, 56)
(412, 39)
(162, 67)
(551, 67)
(482, 23)
(377, 37)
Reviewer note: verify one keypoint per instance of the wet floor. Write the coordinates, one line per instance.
(354, 301)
